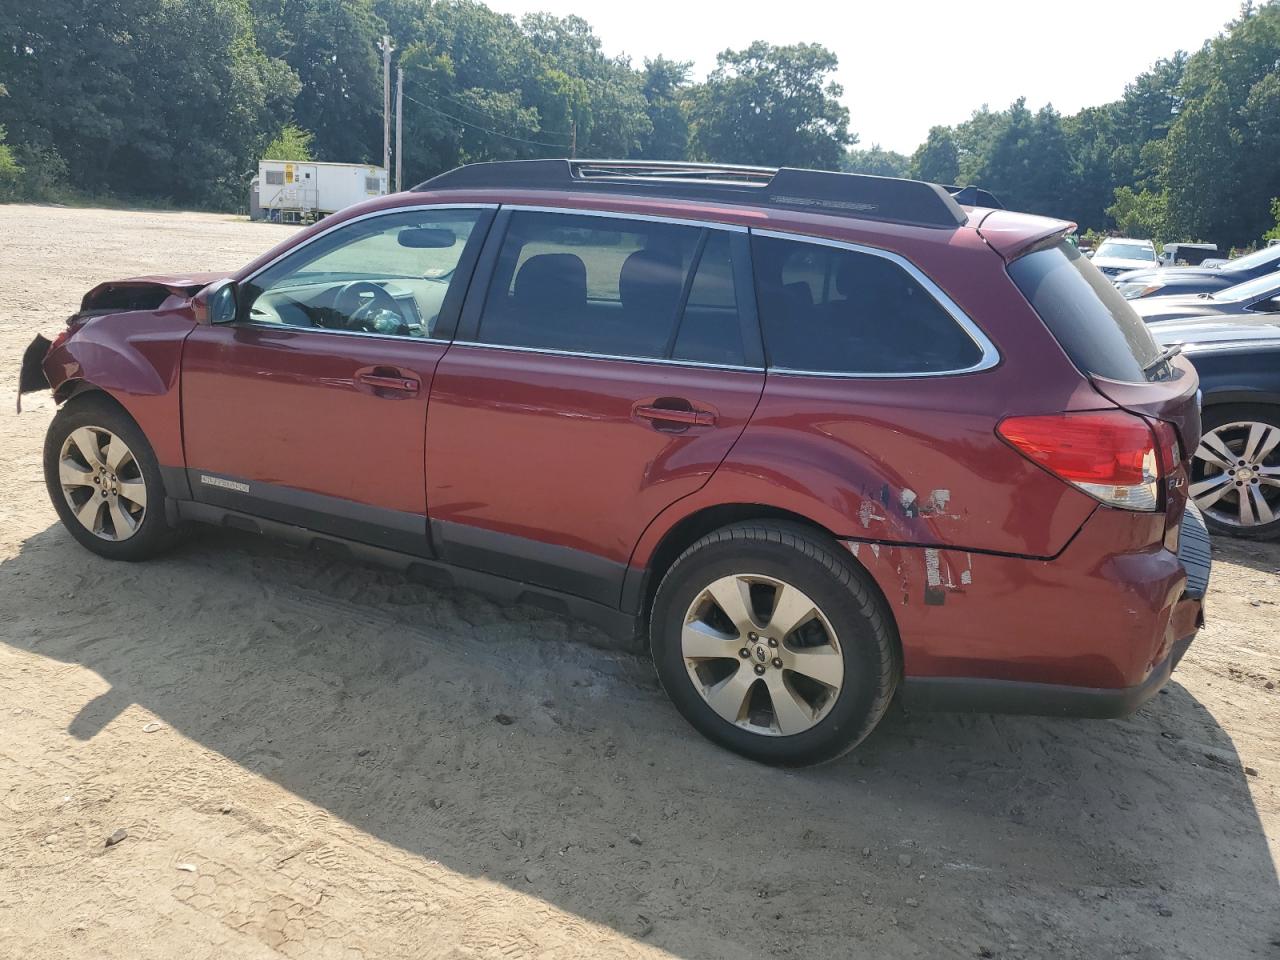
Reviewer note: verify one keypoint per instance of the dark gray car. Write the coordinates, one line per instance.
(1175, 281)
(1253, 298)
(1235, 472)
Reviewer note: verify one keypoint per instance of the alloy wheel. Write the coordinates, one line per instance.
(1236, 474)
(762, 654)
(103, 483)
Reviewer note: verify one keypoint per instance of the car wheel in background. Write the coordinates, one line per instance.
(1235, 473)
(774, 643)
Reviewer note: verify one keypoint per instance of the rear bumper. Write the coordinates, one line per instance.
(1095, 632)
(966, 695)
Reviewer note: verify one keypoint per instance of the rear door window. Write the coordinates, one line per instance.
(833, 310)
(613, 287)
(1095, 325)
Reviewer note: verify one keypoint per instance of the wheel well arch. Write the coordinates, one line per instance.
(82, 390)
(692, 528)
(689, 530)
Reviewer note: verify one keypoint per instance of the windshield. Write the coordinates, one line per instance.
(1126, 251)
(1266, 285)
(1259, 258)
(1096, 326)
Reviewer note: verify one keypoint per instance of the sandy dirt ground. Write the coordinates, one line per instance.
(318, 759)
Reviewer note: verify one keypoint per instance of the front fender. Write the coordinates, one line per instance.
(134, 357)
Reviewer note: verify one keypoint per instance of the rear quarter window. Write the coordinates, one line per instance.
(832, 310)
(1094, 324)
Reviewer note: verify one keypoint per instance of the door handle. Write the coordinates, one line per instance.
(685, 415)
(388, 378)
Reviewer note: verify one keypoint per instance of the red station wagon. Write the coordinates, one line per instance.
(820, 438)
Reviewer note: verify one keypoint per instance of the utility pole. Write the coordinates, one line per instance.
(386, 49)
(399, 126)
(573, 140)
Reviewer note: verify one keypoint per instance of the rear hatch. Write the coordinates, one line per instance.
(1112, 347)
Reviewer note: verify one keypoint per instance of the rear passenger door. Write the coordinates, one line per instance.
(603, 368)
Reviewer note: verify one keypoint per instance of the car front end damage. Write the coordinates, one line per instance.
(49, 365)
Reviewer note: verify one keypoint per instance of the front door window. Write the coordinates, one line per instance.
(386, 275)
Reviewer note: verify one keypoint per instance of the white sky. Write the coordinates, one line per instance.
(909, 64)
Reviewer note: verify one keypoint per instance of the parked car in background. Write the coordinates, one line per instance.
(662, 397)
(1235, 474)
(1117, 255)
(1187, 254)
(1259, 297)
(1172, 281)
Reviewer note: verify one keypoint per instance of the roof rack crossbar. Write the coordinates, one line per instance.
(841, 194)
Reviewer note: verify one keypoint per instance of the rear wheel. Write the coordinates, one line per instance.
(104, 481)
(1235, 474)
(774, 644)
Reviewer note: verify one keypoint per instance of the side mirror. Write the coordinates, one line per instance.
(1088, 254)
(426, 238)
(216, 303)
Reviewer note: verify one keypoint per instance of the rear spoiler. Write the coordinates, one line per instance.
(972, 196)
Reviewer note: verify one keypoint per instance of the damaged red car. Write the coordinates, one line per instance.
(817, 440)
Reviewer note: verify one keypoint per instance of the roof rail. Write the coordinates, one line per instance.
(841, 194)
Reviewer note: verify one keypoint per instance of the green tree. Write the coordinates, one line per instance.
(615, 121)
(1140, 214)
(877, 161)
(10, 169)
(332, 47)
(291, 143)
(665, 88)
(1274, 232)
(1149, 106)
(938, 158)
(772, 105)
(1091, 142)
(169, 97)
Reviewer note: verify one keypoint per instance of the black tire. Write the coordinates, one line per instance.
(816, 565)
(153, 534)
(1218, 516)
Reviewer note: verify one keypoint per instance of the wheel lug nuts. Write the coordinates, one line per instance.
(759, 669)
(744, 653)
(777, 663)
(773, 642)
(752, 637)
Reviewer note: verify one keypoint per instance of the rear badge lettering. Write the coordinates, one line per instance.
(224, 484)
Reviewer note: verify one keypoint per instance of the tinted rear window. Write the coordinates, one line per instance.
(1096, 326)
(827, 309)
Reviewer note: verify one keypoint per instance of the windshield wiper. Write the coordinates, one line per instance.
(1165, 356)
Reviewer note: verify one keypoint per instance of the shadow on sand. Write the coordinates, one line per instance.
(374, 698)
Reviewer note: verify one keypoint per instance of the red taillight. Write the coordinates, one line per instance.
(1110, 455)
(1167, 446)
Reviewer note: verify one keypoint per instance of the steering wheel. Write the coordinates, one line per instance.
(359, 300)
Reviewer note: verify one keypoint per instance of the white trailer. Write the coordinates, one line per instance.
(295, 192)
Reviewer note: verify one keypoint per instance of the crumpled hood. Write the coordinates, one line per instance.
(146, 293)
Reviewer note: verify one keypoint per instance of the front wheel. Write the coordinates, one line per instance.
(104, 481)
(1235, 474)
(774, 644)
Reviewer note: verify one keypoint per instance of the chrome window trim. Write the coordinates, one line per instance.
(616, 215)
(386, 212)
(627, 215)
(397, 338)
(989, 358)
(661, 361)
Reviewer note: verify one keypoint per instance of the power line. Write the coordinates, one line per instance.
(496, 133)
(488, 116)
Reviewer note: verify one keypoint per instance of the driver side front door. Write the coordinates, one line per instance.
(310, 408)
